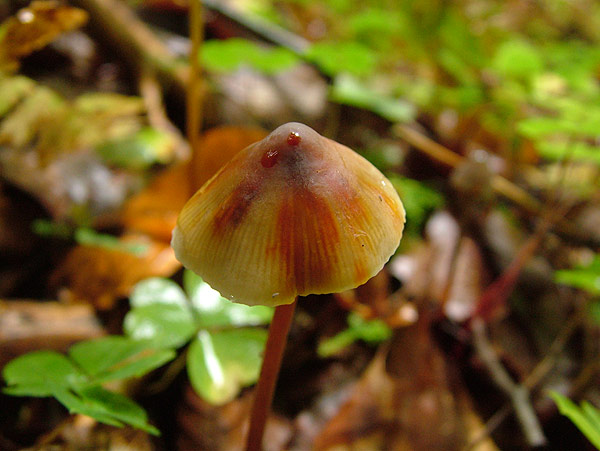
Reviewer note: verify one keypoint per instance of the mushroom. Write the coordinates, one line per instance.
(293, 214)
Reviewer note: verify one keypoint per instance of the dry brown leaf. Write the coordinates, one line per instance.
(204, 426)
(69, 184)
(154, 210)
(34, 27)
(82, 432)
(403, 401)
(426, 272)
(101, 276)
(218, 145)
(467, 282)
(446, 268)
(27, 325)
(374, 300)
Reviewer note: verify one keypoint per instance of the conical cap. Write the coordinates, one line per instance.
(293, 214)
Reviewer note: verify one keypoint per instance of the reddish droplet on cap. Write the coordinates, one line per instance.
(294, 139)
(269, 158)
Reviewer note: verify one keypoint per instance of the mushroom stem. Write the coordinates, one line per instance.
(278, 331)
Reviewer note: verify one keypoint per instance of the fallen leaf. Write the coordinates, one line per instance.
(205, 426)
(30, 116)
(218, 145)
(154, 210)
(100, 276)
(403, 401)
(375, 300)
(34, 27)
(76, 186)
(426, 272)
(27, 325)
(83, 432)
(468, 280)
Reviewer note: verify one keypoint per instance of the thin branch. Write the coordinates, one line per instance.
(194, 91)
(490, 426)
(499, 184)
(151, 93)
(116, 23)
(265, 30)
(546, 365)
(532, 380)
(518, 394)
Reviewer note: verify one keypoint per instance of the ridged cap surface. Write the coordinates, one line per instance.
(293, 214)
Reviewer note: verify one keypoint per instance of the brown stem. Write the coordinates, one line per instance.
(194, 92)
(278, 331)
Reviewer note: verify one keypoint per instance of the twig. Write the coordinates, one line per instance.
(266, 30)
(532, 380)
(547, 363)
(428, 146)
(518, 394)
(151, 92)
(499, 184)
(496, 294)
(194, 91)
(444, 155)
(129, 36)
(490, 426)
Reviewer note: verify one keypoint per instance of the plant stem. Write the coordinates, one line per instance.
(263, 397)
(194, 92)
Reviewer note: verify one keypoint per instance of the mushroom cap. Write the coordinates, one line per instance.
(293, 214)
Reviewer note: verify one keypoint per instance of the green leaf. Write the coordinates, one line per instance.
(586, 417)
(166, 326)
(518, 59)
(12, 90)
(157, 290)
(373, 332)
(75, 404)
(332, 346)
(455, 66)
(221, 363)
(538, 127)
(40, 373)
(118, 357)
(89, 237)
(139, 151)
(576, 151)
(274, 60)
(343, 58)
(47, 228)
(47, 373)
(107, 407)
(228, 55)
(26, 119)
(111, 104)
(350, 91)
(594, 310)
(583, 277)
(379, 27)
(117, 406)
(418, 200)
(370, 331)
(592, 414)
(214, 311)
(160, 313)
